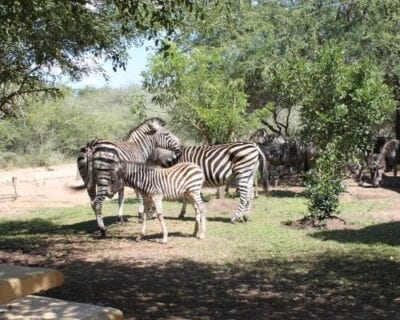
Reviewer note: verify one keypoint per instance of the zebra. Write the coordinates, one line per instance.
(96, 162)
(183, 180)
(237, 161)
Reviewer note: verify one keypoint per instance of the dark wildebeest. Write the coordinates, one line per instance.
(369, 162)
(286, 153)
(261, 136)
(290, 154)
(387, 160)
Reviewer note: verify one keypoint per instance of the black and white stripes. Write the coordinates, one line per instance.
(232, 162)
(99, 158)
(183, 180)
(223, 163)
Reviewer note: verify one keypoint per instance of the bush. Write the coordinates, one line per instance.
(53, 132)
(344, 106)
(324, 184)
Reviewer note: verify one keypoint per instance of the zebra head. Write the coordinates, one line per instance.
(146, 128)
(152, 134)
(166, 140)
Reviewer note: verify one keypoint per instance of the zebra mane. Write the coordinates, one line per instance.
(147, 124)
(137, 166)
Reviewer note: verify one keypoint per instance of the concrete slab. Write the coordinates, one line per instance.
(43, 308)
(19, 281)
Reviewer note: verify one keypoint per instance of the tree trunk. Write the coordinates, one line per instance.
(397, 123)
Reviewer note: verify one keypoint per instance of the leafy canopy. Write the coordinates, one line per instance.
(343, 106)
(43, 39)
(198, 95)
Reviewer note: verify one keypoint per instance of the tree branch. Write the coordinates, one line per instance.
(7, 98)
(270, 127)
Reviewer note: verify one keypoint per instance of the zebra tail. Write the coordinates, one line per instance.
(264, 169)
(89, 171)
(81, 187)
(86, 171)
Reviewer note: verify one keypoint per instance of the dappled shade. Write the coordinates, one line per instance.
(35, 307)
(384, 233)
(259, 270)
(333, 287)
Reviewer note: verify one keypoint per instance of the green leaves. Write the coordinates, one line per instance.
(344, 107)
(194, 89)
(54, 130)
(42, 40)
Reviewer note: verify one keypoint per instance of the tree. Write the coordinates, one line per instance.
(343, 107)
(259, 36)
(43, 39)
(197, 94)
(52, 131)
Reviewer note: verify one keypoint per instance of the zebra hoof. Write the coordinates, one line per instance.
(245, 218)
(102, 233)
(234, 220)
(201, 236)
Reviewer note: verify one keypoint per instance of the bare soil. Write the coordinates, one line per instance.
(149, 281)
(40, 188)
(51, 187)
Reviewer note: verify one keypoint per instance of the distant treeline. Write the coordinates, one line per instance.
(53, 131)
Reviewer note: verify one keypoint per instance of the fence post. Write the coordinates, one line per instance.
(14, 182)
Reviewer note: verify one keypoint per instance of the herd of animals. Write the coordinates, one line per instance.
(152, 161)
(384, 156)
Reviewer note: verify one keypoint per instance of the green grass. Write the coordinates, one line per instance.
(263, 236)
(307, 273)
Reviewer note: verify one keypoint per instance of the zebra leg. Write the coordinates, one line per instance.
(144, 220)
(121, 200)
(198, 205)
(141, 208)
(255, 187)
(157, 200)
(243, 202)
(183, 210)
(249, 202)
(97, 204)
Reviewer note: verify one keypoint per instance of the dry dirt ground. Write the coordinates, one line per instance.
(39, 188)
(51, 187)
(154, 281)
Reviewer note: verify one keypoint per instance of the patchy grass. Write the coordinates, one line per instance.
(260, 269)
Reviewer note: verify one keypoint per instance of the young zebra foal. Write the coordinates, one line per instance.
(183, 180)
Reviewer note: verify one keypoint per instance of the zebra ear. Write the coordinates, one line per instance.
(156, 124)
(151, 131)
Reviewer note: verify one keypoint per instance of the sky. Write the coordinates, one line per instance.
(137, 62)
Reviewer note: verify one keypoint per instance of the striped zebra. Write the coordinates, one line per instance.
(183, 180)
(224, 163)
(98, 159)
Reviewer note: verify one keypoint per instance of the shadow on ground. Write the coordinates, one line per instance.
(44, 226)
(388, 182)
(286, 193)
(37, 234)
(384, 233)
(159, 285)
(392, 183)
(331, 288)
